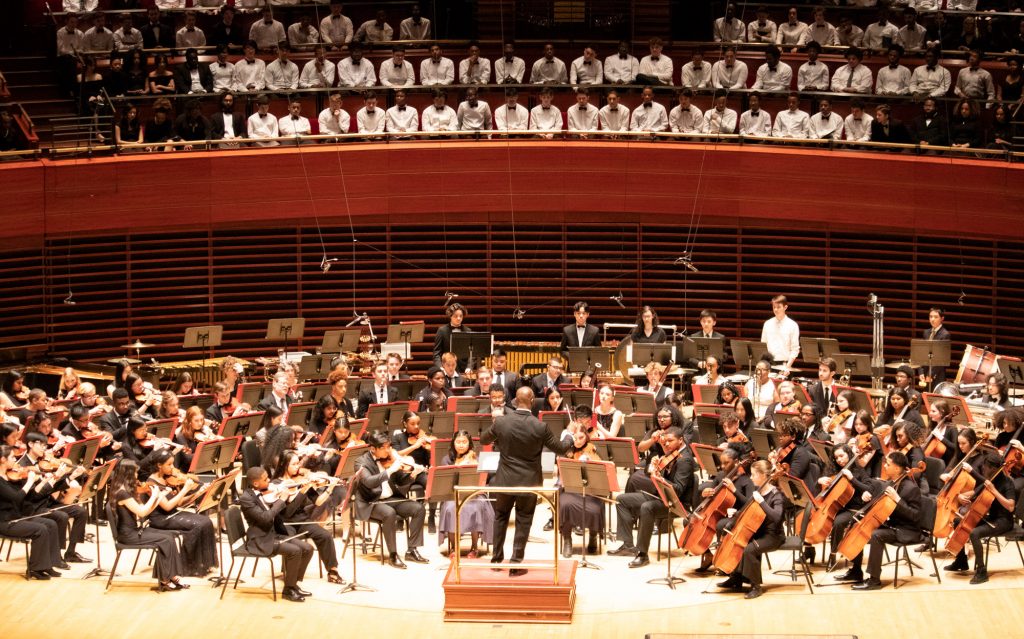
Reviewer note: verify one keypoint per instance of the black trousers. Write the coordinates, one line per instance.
(750, 562)
(324, 542)
(388, 513)
(70, 519)
(296, 554)
(525, 506)
(879, 539)
(638, 507)
(44, 551)
(981, 532)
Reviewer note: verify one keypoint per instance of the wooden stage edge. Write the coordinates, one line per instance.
(485, 595)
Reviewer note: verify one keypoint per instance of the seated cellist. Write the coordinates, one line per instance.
(741, 487)
(859, 477)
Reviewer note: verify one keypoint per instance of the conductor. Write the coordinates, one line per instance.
(521, 438)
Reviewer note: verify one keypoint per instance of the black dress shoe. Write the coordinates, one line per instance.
(63, 565)
(41, 575)
(395, 561)
(549, 526)
(517, 572)
(640, 561)
(75, 558)
(414, 556)
(301, 592)
(732, 583)
(592, 547)
(980, 577)
(622, 551)
(809, 554)
(956, 566)
(291, 594)
(867, 584)
(851, 575)
(52, 572)
(566, 547)
(754, 593)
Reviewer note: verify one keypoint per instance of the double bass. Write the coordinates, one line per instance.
(745, 525)
(934, 446)
(702, 523)
(872, 516)
(947, 501)
(828, 503)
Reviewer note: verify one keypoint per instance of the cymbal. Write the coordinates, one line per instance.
(683, 372)
(739, 378)
(782, 368)
(137, 344)
(895, 365)
(126, 360)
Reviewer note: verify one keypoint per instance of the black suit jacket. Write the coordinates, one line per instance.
(112, 424)
(539, 383)
(166, 40)
(183, 79)
(521, 438)
(935, 133)
(817, 393)
(217, 125)
(897, 134)
(511, 382)
(270, 400)
(220, 35)
(371, 481)
(264, 522)
(591, 337)
(368, 395)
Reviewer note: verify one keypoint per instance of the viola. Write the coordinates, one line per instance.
(744, 526)
(18, 473)
(874, 514)
(838, 420)
(702, 524)
(143, 489)
(828, 503)
(934, 446)
(947, 501)
(659, 464)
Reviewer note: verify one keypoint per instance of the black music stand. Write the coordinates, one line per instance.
(244, 425)
(347, 464)
(385, 417)
(162, 428)
(465, 403)
(763, 441)
(292, 328)
(350, 544)
(929, 353)
(314, 366)
(858, 365)
(668, 497)
(470, 347)
(643, 403)
(580, 397)
(214, 498)
(963, 419)
(780, 416)
(592, 358)
(816, 349)
(699, 348)
(822, 449)
(251, 392)
(1014, 372)
(644, 354)
(582, 477)
(345, 340)
(216, 455)
(441, 422)
(709, 430)
(624, 402)
(705, 393)
(473, 423)
(798, 494)
(442, 480)
(621, 451)
(203, 337)
(861, 399)
(299, 412)
(401, 336)
(556, 421)
(407, 389)
(709, 458)
(747, 354)
(95, 482)
(84, 451)
(637, 425)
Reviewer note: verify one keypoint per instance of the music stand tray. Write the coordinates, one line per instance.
(929, 353)
(815, 349)
(709, 457)
(699, 348)
(83, 452)
(709, 431)
(746, 354)
(347, 464)
(345, 340)
(285, 329)
(442, 480)
(244, 425)
(780, 416)
(211, 456)
(643, 354)
(594, 358)
(409, 332)
(380, 417)
(964, 418)
(216, 491)
(96, 480)
(407, 389)
(796, 491)
(861, 399)
(202, 336)
(580, 397)
(556, 421)
(822, 449)
(472, 347)
(635, 426)
(314, 366)
(441, 422)
(763, 441)
(643, 403)
(621, 451)
(162, 428)
(859, 365)
(251, 392)
(705, 393)
(472, 423)
(299, 412)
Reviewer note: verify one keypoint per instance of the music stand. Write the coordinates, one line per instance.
(213, 497)
(211, 456)
(593, 358)
(345, 340)
(83, 452)
(816, 349)
(859, 365)
(487, 461)
(409, 332)
(861, 399)
(463, 404)
(314, 366)
(644, 354)
(286, 329)
(556, 421)
(203, 337)
(347, 464)
(346, 505)
(669, 498)
(580, 397)
(643, 403)
(699, 348)
(780, 416)
(437, 422)
(822, 448)
(621, 451)
(469, 347)
(929, 353)
(799, 495)
(93, 483)
(162, 428)
(244, 425)
(299, 412)
(637, 425)
(442, 480)
(763, 441)
(705, 393)
(747, 354)
(963, 418)
(709, 458)
(1014, 372)
(251, 392)
(709, 431)
(582, 477)
(382, 417)
(472, 423)
(407, 389)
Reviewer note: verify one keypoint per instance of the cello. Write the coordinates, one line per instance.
(748, 520)
(828, 503)
(980, 506)
(934, 446)
(946, 502)
(873, 515)
(702, 524)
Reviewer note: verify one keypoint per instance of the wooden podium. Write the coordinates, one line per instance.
(484, 592)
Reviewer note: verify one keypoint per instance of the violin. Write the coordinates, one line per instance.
(659, 464)
(838, 420)
(421, 437)
(143, 489)
(781, 453)
(18, 473)
(738, 438)
(934, 446)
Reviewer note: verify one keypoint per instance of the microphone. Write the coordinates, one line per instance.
(617, 299)
(686, 259)
(68, 300)
(960, 300)
(325, 263)
(518, 313)
(448, 297)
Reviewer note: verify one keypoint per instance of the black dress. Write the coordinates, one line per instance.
(168, 562)
(571, 510)
(198, 543)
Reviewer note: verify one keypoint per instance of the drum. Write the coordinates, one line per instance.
(977, 364)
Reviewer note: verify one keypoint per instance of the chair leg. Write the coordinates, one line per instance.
(935, 566)
(1017, 543)
(906, 555)
(227, 578)
(238, 577)
(273, 579)
(254, 566)
(136, 564)
(807, 574)
(11, 545)
(113, 570)
(896, 572)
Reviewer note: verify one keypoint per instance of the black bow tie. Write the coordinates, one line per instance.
(586, 62)
(648, 105)
(655, 58)
(545, 107)
(435, 61)
(263, 115)
(401, 107)
(755, 113)
(223, 65)
(615, 108)
(439, 108)
(549, 62)
(623, 57)
(398, 66)
(583, 108)
(295, 118)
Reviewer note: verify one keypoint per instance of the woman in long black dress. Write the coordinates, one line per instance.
(199, 543)
(129, 513)
(572, 512)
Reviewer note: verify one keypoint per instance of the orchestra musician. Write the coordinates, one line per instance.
(70, 519)
(224, 404)
(931, 377)
(37, 402)
(477, 515)
(943, 427)
(907, 438)
(811, 418)
(731, 433)
(788, 403)
(412, 442)
(116, 421)
(379, 393)
(44, 550)
(125, 499)
(579, 334)
(666, 417)
(996, 395)
(443, 338)
(193, 429)
(552, 402)
(746, 414)
(483, 383)
(587, 378)
(395, 362)
(905, 380)
(453, 377)
(573, 512)
(338, 381)
(840, 425)
(903, 525)
(497, 406)
(122, 370)
(656, 383)
(501, 377)
(168, 407)
(13, 393)
(898, 408)
(324, 415)
(646, 330)
(639, 502)
(708, 320)
(740, 485)
(144, 398)
(866, 444)
(609, 419)
(267, 535)
(781, 334)
(761, 389)
(823, 392)
(434, 389)
(711, 376)
(231, 374)
(858, 476)
(184, 385)
(280, 393)
(382, 496)
(769, 534)
(1007, 422)
(796, 452)
(542, 383)
(67, 387)
(728, 395)
(198, 540)
(88, 397)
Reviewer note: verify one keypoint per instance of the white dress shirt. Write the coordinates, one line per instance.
(757, 32)
(511, 119)
(824, 34)
(479, 73)
(282, 75)
(762, 396)
(857, 78)
(336, 30)
(792, 124)
(370, 32)
(313, 78)
(356, 75)
(976, 84)
(830, 127)
(229, 129)
(545, 71)
(756, 124)
(582, 118)
(74, 6)
(893, 81)
(264, 126)
(474, 118)
(549, 119)
(267, 35)
(858, 130)
(729, 31)
(662, 68)
(583, 71)
(396, 75)
(223, 76)
(69, 43)
(852, 38)
(934, 81)
(782, 338)
(127, 41)
(443, 119)
(621, 70)
(778, 80)
(912, 39)
(98, 41)
(791, 35)
(441, 72)
(289, 125)
(725, 77)
(250, 73)
(649, 117)
(689, 121)
(185, 39)
(409, 30)
(875, 34)
(515, 69)
(696, 77)
(401, 119)
(813, 74)
(334, 123)
(301, 38)
(370, 121)
(614, 120)
(720, 122)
